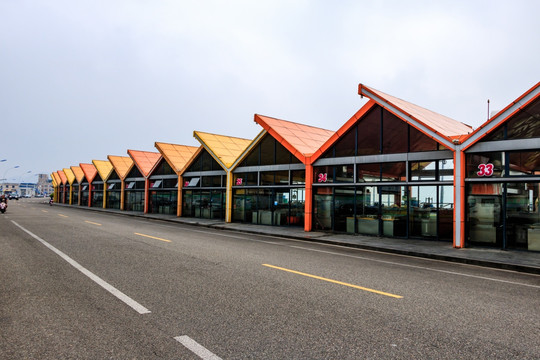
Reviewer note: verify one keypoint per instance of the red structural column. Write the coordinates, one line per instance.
(308, 205)
(89, 195)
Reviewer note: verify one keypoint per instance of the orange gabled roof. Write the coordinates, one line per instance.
(225, 149)
(178, 156)
(301, 140)
(439, 124)
(121, 164)
(89, 171)
(145, 160)
(504, 115)
(63, 177)
(70, 175)
(104, 168)
(79, 174)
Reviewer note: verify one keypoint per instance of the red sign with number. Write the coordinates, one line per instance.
(485, 169)
(238, 181)
(322, 177)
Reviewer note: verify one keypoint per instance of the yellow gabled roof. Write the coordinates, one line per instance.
(225, 149)
(104, 168)
(56, 178)
(54, 175)
(178, 156)
(70, 175)
(121, 164)
(79, 174)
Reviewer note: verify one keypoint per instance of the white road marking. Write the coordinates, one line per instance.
(419, 267)
(120, 295)
(196, 348)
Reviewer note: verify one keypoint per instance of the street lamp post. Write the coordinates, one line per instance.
(5, 173)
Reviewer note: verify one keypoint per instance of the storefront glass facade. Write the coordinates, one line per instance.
(114, 191)
(384, 177)
(134, 191)
(75, 194)
(203, 194)
(503, 184)
(269, 186)
(97, 192)
(163, 190)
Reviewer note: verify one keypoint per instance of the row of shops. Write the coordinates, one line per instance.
(394, 169)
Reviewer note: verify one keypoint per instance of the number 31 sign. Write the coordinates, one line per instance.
(485, 170)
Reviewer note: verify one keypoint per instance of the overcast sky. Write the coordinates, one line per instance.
(80, 80)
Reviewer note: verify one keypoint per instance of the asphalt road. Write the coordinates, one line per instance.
(78, 284)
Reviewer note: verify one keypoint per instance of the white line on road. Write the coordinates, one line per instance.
(196, 348)
(120, 295)
(418, 267)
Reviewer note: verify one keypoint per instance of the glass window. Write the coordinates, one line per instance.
(394, 210)
(211, 181)
(267, 150)
(418, 141)
(344, 209)
(282, 177)
(164, 169)
(423, 170)
(323, 174)
(283, 156)
(484, 204)
(394, 134)
(267, 178)
(322, 208)
(446, 170)
(485, 165)
(369, 172)
(423, 211)
(206, 161)
(523, 217)
(394, 171)
(197, 163)
(298, 177)
(525, 124)
(253, 157)
(369, 131)
(524, 163)
(344, 173)
(346, 145)
(367, 210)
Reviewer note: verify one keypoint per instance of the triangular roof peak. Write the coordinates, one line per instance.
(178, 156)
(63, 177)
(89, 171)
(440, 127)
(104, 168)
(55, 179)
(79, 174)
(121, 164)
(224, 149)
(145, 161)
(69, 174)
(301, 140)
(504, 115)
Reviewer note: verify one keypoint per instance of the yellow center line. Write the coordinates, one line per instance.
(62, 215)
(335, 282)
(153, 237)
(44, 210)
(93, 223)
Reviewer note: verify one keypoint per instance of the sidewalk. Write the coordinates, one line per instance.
(517, 260)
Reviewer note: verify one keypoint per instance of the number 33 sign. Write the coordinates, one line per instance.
(485, 170)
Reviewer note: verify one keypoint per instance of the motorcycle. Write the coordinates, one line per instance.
(50, 202)
(3, 207)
